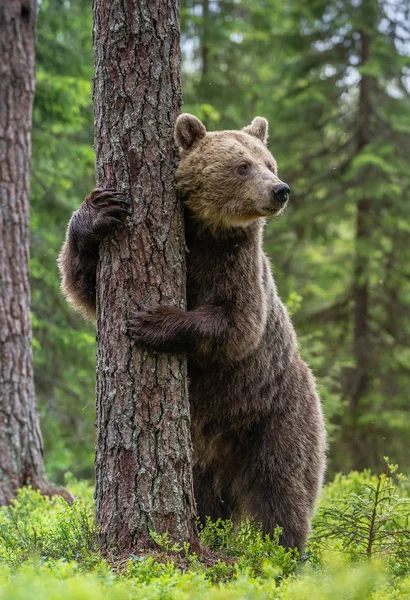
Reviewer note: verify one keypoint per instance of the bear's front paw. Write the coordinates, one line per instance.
(99, 196)
(102, 212)
(144, 327)
(109, 208)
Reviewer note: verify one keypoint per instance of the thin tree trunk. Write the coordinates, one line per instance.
(143, 458)
(361, 345)
(205, 42)
(21, 446)
(204, 92)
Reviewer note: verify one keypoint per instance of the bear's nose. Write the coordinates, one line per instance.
(281, 192)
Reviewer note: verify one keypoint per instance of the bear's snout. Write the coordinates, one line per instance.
(280, 193)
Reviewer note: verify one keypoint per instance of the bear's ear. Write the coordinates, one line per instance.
(258, 128)
(188, 130)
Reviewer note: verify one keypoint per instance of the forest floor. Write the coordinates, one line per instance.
(359, 549)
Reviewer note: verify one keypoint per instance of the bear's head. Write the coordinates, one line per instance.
(228, 178)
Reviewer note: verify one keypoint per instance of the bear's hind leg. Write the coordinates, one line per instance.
(211, 500)
(272, 501)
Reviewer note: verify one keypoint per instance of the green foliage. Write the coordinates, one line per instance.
(35, 525)
(373, 520)
(47, 551)
(365, 583)
(164, 542)
(252, 549)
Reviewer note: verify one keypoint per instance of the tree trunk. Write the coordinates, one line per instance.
(205, 43)
(360, 376)
(143, 458)
(204, 90)
(21, 446)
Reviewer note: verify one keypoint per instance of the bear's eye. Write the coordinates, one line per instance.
(243, 168)
(271, 167)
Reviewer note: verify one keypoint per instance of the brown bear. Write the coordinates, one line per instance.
(257, 425)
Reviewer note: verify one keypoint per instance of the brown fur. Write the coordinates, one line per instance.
(100, 213)
(257, 425)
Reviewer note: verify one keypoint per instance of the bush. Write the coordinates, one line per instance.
(359, 550)
(35, 525)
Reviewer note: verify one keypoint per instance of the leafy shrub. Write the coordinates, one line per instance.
(47, 552)
(45, 527)
(250, 546)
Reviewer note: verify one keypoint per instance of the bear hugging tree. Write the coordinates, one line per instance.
(257, 425)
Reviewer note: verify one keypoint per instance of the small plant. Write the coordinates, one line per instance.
(372, 521)
(46, 527)
(217, 535)
(248, 544)
(164, 542)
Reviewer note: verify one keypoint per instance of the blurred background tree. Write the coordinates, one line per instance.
(333, 78)
(62, 173)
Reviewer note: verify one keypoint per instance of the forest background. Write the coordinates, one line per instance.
(333, 79)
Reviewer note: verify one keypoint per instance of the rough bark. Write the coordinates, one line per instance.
(21, 446)
(143, 459)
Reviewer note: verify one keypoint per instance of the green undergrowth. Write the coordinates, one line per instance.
(359, 549)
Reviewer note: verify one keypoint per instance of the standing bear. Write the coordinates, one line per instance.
(257, 425)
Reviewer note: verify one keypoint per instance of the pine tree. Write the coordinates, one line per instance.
(143, 460)
(21, 445)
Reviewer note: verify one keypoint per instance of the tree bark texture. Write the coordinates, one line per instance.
(143, 458)
(21, 446)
